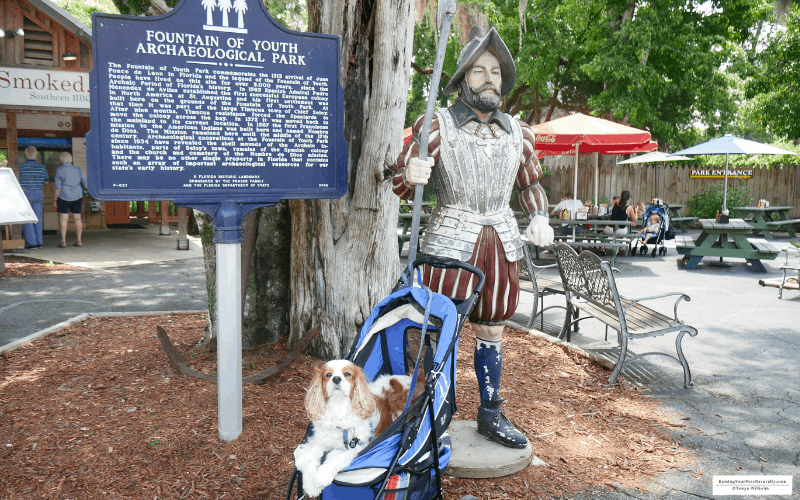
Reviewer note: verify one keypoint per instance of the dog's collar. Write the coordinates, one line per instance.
(352, 442)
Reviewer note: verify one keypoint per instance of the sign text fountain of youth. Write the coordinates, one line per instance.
(214, 102)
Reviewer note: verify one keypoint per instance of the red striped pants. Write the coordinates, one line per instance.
(500, 295)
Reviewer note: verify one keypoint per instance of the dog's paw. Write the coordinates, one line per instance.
(325, 475)
(311, 488)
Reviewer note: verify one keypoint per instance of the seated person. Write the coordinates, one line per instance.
(620, 211)
(650, 230)
(573, 206)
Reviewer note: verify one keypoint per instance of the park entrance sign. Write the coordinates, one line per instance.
(214, 101)
(215, 106)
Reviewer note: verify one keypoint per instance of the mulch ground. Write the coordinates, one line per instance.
(96, 411)
(17, 265)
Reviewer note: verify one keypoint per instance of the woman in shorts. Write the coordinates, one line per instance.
(69, 184)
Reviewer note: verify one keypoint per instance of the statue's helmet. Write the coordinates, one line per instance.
(477, 44)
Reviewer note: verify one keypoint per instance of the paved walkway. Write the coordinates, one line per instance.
(125, 270)
(743, 413)
(744, 410)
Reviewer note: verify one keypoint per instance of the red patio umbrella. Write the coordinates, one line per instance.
(581, 134)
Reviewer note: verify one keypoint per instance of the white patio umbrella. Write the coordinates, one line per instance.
(655, 156)
(732, 145)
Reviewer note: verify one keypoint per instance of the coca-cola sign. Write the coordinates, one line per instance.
(551, 138)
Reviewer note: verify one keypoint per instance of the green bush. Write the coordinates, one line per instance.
(708, 202)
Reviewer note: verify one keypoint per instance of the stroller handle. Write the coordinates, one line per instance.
(448, 263)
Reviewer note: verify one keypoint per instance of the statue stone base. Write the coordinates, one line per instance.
(475, 456)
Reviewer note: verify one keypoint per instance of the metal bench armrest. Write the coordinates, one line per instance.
(786, 251)
(681, 296)
(541, 268)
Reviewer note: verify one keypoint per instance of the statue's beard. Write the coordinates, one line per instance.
(476, 98)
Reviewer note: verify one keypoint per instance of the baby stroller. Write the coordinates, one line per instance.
(411, 330)
(657, 240)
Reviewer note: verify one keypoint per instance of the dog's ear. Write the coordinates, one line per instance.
(315, 395)
(396, 385)
(360, 395)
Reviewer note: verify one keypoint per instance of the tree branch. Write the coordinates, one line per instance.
(158, 7)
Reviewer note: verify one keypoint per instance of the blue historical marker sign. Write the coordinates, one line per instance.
(214, 101)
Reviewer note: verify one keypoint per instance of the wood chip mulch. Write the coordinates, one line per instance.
(26, 266)
(96, 411)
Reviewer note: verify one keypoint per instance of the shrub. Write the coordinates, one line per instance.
(708, 202)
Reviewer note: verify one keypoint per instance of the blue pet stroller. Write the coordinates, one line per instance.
(412, 329)
(665, 230)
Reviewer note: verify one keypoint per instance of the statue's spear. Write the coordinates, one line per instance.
(444, 16)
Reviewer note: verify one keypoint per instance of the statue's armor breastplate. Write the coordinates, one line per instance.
(474, 181)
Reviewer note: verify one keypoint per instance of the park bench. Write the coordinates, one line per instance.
(783, 225)
(764, 246)
(533, 280)
(590, 289)
(684, 243)
(677, 219)
(683, 222)
(789, 269)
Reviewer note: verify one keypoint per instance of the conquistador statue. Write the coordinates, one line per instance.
(478, 155)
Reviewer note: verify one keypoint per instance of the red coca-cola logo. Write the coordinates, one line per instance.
(546, 138)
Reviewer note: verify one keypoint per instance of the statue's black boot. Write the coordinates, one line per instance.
(492, 422)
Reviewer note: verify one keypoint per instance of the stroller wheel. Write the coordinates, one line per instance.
(663, 251)
(643, 250)
(653, 253)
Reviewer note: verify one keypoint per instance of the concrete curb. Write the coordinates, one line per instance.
(81, 317)
(600, 361)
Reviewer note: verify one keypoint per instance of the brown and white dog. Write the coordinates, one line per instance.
(346, 413)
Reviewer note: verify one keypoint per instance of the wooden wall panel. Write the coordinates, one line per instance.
(20, 14)
(780, 186)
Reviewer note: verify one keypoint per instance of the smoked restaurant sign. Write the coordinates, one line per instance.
(719, 173)
(214, 101)
(39, 88)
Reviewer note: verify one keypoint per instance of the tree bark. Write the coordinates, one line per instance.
(267, 293)
(344, 252)
(206, 226)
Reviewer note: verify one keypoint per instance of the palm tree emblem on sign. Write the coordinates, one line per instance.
(225, 6)
(240, 6)
(209, 5)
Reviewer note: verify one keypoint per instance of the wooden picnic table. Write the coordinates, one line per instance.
(676, 218)
(405, 229)
(594, 237)
(767, 219)
(731, 239)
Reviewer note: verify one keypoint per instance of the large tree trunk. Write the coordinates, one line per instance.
(266, 308)
(265, 268)
(344, 252)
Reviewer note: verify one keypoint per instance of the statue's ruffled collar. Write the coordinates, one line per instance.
(463, 114)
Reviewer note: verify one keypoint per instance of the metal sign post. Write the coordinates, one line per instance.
(228, 240)
(220, 111)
